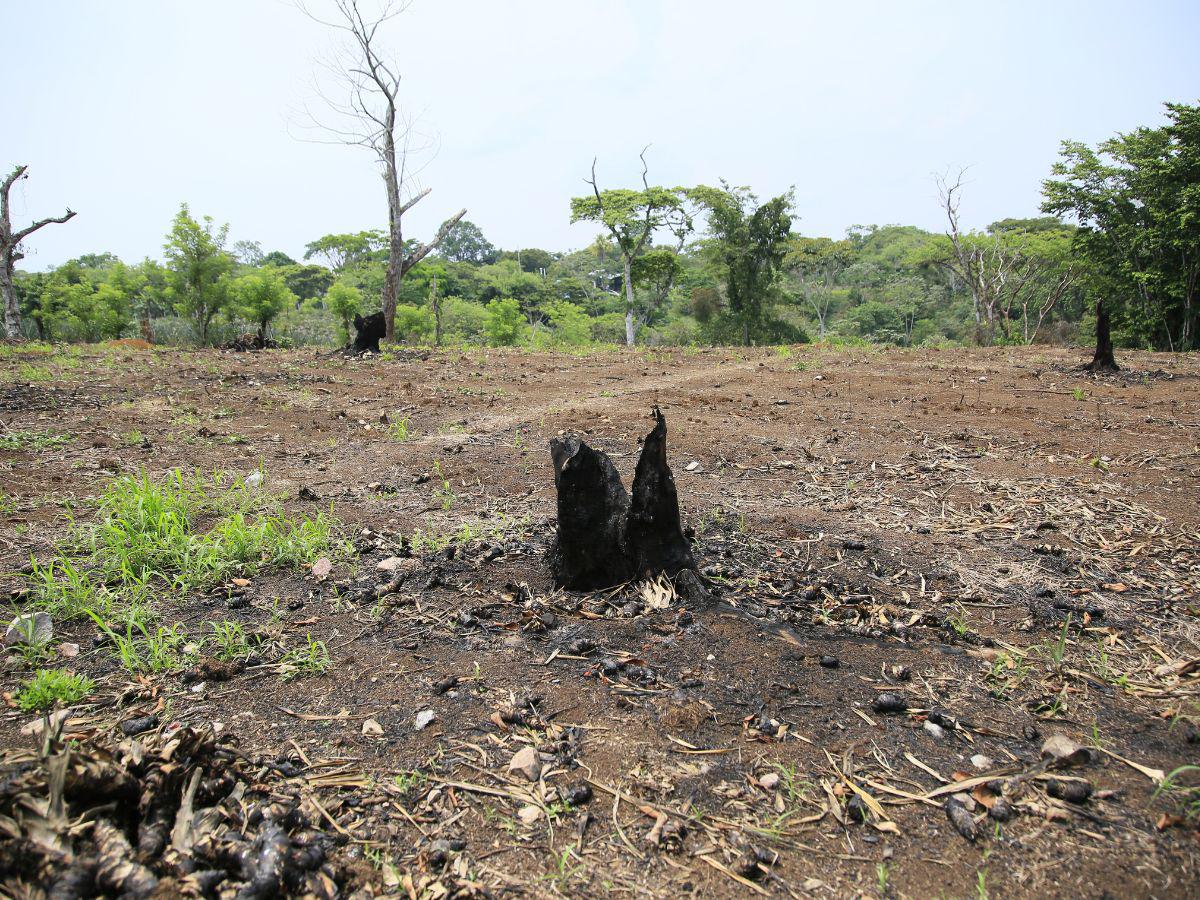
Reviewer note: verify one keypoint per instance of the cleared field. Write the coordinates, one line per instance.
(1008, 548)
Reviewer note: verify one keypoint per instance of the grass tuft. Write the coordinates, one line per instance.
(50, 686)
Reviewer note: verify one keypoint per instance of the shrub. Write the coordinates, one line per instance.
(505, 324)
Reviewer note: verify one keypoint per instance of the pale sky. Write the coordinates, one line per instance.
(124, 108)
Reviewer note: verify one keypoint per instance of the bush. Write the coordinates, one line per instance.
(414, 324)
(570, 325)
(505, 324)
(463, 322)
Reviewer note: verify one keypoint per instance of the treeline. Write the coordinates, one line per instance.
(709, 265)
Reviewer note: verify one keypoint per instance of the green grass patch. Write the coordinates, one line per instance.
(172, 535)
(50, 686)
(31, 440)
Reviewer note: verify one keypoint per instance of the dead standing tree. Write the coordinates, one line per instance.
(1103, 359)
(10, 251)
(370, 116)
(981, 262)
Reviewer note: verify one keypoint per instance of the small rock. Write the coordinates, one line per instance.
(693, 466)
(935, 731)
(68, 650)
(254, 480)
(394, 563)
(445, 684)
(33, 629)
(981, 762)
(830, 662)
(529, 814)
(962, 821)
(889, 703)
(527, 762)
(139, 725)
(769, 781)
(578, 794)
(321, 568)
(1001, 810)
(1072, 791)
(371, 728)
(424, 717)
(1065, 752)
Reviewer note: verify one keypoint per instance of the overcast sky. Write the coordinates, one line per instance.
(125, 108)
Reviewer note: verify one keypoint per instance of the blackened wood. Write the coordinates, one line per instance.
(604, 538)
(589, 548)
(654, 535)
(370, 332)
(1103, 361)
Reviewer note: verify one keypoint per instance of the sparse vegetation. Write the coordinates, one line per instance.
(48, 687)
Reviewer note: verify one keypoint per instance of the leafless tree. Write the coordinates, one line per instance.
(367, 114)
(982, 265)
(10, 251)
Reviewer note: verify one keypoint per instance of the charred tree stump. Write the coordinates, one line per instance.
(588, 552)
(604, 537)
(1103, 360)
(654, 535)
(370, 331)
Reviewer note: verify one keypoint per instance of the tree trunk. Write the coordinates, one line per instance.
(1103, 360)
(12, 311)
(436, 303)
(10, 243)
(604, 537)
(391, 282)
(630, 329)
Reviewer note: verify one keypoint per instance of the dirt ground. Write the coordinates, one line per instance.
(1009, 546)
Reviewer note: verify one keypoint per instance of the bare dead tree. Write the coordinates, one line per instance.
(10, 251)
(984, 266)
(1036, 289)
(369, 115)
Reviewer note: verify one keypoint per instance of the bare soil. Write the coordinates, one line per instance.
(1009, 545)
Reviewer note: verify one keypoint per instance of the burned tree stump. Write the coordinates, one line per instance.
(370, 331)
(604, 536)
(654, 534)
(1103, 360)
(589, 550)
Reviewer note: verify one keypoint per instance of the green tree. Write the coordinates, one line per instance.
(535, 261)
(306, 282)
(1136, 198)
(342, 250)
(344, 301)
(505, 323)
(261, 296)
(571, 326)
(198, 263)
(748, 243)
(465, 243)
(277, 258)
(632, 217)
(816, 263)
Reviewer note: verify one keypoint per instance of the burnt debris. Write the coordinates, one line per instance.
(369, 332)
(605, 537)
